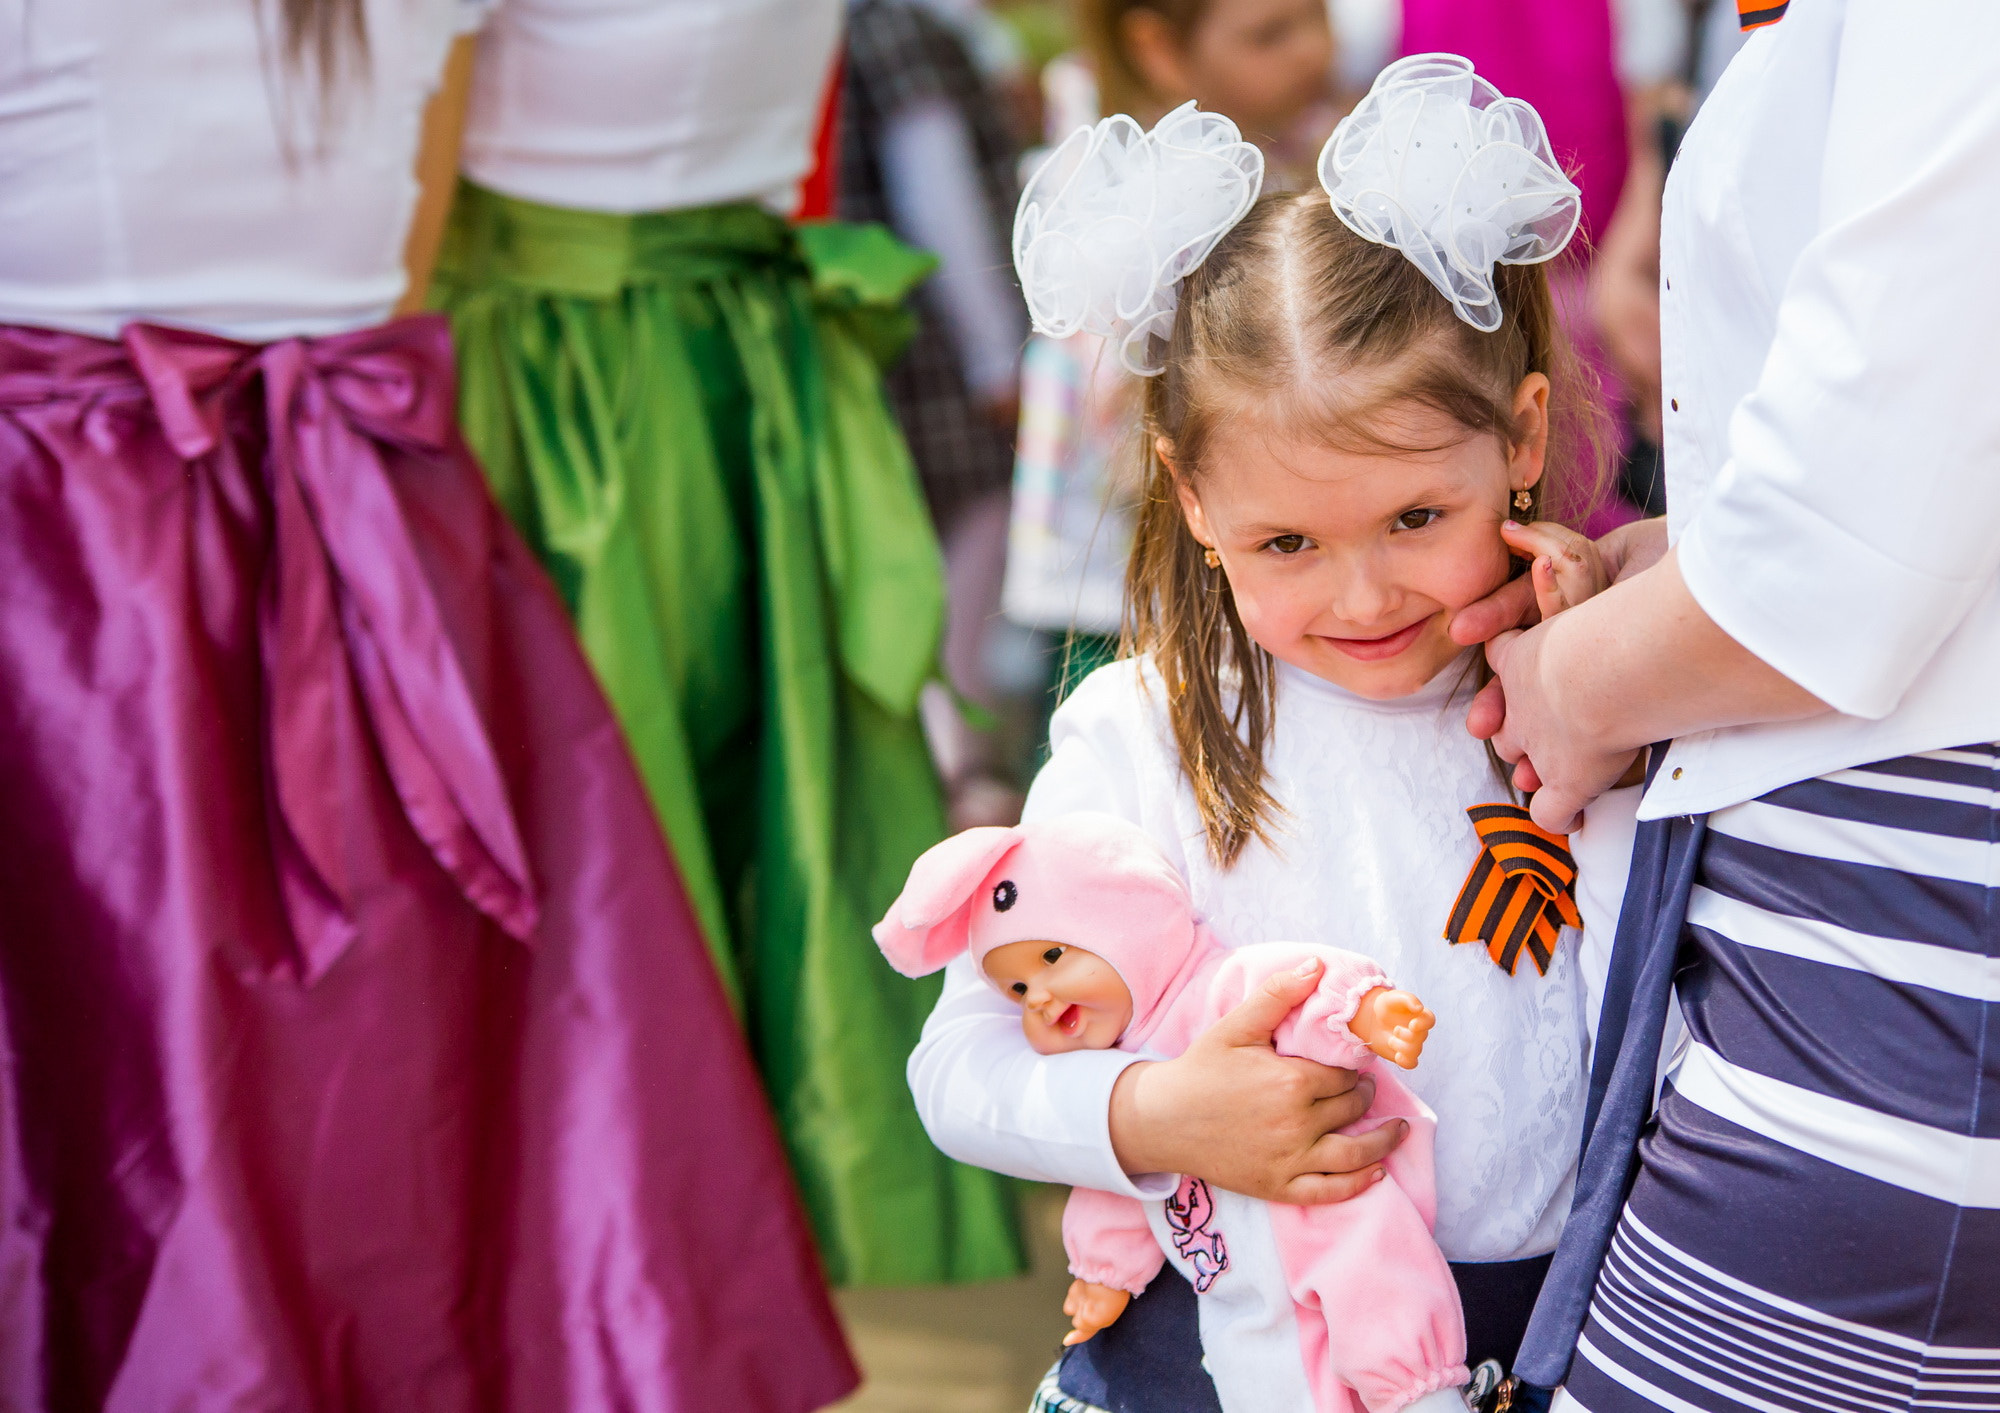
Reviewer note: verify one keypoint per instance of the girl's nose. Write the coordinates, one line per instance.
(1360, 595)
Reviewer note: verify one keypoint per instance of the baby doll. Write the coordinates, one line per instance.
(1083, 921)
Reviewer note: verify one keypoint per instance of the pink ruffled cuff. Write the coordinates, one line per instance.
(1099, 1274)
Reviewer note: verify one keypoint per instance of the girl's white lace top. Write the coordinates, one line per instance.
(1375, 845)
(1435, 162)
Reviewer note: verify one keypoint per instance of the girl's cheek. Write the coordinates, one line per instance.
(1467, 572)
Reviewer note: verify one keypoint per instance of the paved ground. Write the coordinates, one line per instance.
(963, 1349)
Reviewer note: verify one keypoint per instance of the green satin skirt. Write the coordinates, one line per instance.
(683, 414)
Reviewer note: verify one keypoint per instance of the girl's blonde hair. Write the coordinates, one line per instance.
(1297, 321)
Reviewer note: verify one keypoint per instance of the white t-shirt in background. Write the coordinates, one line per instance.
(649, 105)
(159, 162)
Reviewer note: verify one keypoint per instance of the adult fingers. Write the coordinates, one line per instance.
(1488, 712)
(1526, 778)
(1556, 810)
(1509, 606)
(1259, 1014)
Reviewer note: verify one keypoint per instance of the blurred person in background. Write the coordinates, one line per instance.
(1267, 64)
(677, 396)
(927, 150)
(359, 1047)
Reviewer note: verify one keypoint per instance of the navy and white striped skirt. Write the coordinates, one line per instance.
(1816, 1222)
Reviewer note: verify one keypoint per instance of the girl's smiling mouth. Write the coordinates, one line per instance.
(1379, 649)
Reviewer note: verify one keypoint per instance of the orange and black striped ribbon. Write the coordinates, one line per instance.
(1755, 14)
(1520, 893)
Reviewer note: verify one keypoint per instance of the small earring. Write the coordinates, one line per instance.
(1210, 557)
(1523, 502)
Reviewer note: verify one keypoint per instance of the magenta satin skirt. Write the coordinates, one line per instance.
(360, 1050)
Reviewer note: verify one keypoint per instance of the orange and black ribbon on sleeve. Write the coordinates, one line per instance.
(1520, 893)
(1755, 14)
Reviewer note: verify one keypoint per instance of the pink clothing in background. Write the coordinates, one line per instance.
(1558, 55)
(361, 1051)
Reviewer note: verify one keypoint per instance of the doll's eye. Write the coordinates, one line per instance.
(1019, 988)
(1052, 956)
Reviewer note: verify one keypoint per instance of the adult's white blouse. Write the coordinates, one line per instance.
(649, 105)
(1375, 845)
(159, 162)
(1826, 317)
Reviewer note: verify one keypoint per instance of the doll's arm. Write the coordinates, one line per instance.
(1109, 1242)
(1113, 1255)
(1322, 1027)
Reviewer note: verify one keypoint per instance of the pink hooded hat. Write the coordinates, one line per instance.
(1086, 880)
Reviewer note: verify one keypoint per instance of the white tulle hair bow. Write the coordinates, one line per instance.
(1117, 217)
(1437, 163)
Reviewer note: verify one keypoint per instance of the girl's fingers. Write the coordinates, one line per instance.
(1549, 597)
(1575, 566)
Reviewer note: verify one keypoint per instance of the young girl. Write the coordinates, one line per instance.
(1343, 427)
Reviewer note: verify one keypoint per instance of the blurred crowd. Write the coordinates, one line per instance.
(1024, 443)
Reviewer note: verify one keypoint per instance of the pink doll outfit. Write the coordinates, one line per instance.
(1328, 1309)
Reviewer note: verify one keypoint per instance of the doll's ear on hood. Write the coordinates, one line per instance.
(927, 926)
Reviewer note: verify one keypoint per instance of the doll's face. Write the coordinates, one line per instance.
(1070, 999)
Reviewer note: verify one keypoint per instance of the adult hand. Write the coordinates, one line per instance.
(1561, 766)
(1234, 1112)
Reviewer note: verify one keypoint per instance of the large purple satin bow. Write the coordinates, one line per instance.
(347, 594)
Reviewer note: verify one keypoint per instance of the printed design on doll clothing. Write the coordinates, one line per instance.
(1521, 891)
(1191, 1216)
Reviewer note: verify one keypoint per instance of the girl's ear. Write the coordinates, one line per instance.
(1527, 456)
(1191, 511)
(927, 926)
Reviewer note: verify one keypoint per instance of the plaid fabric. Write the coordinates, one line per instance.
(1049, 1397)
(898, 53)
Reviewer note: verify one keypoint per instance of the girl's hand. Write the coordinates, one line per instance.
(1092, 1307)
(1626, 551)
(1233, 1111)
(1564, 568)
(1394, 1024)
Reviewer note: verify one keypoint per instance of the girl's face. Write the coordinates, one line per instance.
(1350, 565)
(1262, 62)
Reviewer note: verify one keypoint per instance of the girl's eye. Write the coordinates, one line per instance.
(1019, 988)
(1286, 544)
(1053, 955)
(1416, 519)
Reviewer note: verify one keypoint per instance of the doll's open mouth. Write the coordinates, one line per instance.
(1071, 1020)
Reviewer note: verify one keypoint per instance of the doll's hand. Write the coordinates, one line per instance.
(1092, 1307)
(1564, 567)
(1393, 1024)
